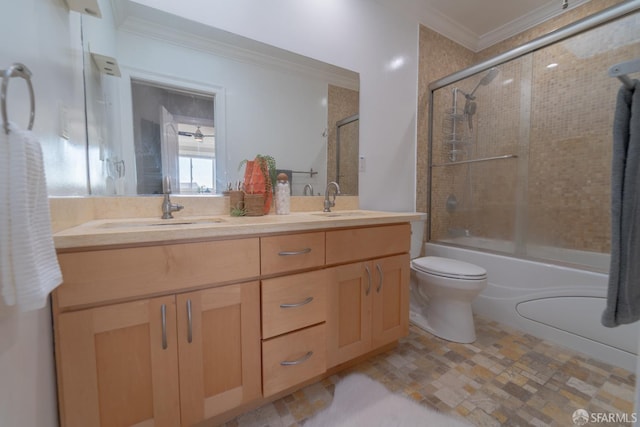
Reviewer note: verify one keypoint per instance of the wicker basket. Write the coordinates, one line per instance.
(254, 204)
(236, 200)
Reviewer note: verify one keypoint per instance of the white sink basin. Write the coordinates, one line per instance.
(338, 214)
(161, 222)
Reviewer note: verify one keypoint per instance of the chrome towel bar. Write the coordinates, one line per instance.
(16, 70)
(484, 159)
(622, 69)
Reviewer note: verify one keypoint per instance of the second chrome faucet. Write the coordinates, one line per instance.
(328, 204)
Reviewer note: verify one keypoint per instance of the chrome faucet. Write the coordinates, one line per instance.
(167, 206)
(328, 204)
(308, 187)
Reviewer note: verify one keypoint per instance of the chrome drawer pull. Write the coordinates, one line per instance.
(300, 252)
(163, 314)
(189, 322)
(298, 304)
(381, 277)
(366, 268)
(297, 362)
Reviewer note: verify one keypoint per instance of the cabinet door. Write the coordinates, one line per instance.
(349, 312)
(118, 365)
(219, 349)
(390, 299)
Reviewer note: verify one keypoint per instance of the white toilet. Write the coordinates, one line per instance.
(442, 290)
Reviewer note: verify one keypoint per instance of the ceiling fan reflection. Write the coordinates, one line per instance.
(197, 135)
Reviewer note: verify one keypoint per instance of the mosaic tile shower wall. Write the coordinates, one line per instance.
(573, 105)
(557, 119)
(486, 192)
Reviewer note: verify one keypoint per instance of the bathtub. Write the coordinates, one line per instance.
(557, 303)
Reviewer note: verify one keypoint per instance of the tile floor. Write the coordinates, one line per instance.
(505, 378)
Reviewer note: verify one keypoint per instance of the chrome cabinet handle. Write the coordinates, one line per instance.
(366, 268)
(189, 322)
(297, 362)
(163, 314)
(290, 253)
(381, 277)
(298, 304)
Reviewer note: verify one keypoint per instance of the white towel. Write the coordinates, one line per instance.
(29, 268)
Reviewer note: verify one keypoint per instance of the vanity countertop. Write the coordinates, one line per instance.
(108, 232)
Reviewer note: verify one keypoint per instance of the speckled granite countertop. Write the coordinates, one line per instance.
(108, 232)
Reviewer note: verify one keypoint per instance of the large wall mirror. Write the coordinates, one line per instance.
(192, 102)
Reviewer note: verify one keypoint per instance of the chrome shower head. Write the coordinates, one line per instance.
(488, 78)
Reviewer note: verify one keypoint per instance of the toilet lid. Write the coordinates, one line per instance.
(447, 267)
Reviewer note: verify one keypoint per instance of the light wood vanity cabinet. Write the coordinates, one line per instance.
(167, 361)
(112, 367)
(174, 334)
(368, 300)
(286, 253)
(293, 302)
(294, 310)
(218, 349)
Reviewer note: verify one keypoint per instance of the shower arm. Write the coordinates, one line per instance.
(470, 96)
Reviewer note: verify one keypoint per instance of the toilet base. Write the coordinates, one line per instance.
(421, 322)
(462, 331)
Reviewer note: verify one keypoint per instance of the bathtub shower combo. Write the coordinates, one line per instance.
(520, 165)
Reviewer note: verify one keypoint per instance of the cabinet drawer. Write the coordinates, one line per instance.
(114, 274)
(292, 252)
(293, 358)
(293, 302)
(366, 243)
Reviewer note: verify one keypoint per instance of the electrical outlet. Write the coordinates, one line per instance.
(362, 164)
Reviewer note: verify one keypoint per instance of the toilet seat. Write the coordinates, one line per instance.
(450, 268)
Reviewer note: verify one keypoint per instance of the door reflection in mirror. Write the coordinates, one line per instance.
(174, 135)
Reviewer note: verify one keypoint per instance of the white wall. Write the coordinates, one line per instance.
(362, 35)
(45, 37)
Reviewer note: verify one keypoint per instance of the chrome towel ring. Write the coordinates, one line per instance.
(16, 70)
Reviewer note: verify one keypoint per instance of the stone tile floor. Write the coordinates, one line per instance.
(505, 378)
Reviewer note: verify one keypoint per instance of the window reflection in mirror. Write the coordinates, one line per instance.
(174, 135)
(197, 159)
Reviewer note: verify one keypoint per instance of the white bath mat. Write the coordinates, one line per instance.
(360, 401)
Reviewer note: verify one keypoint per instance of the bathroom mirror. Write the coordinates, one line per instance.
(244, 97)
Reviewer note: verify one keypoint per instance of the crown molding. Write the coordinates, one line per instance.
(150, 23)
(525, 22)
(435, 20)
(457, 32)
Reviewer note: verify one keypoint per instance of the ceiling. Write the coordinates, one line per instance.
(478, 24)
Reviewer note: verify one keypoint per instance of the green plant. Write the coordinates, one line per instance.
(268, 167)
(238, 212)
